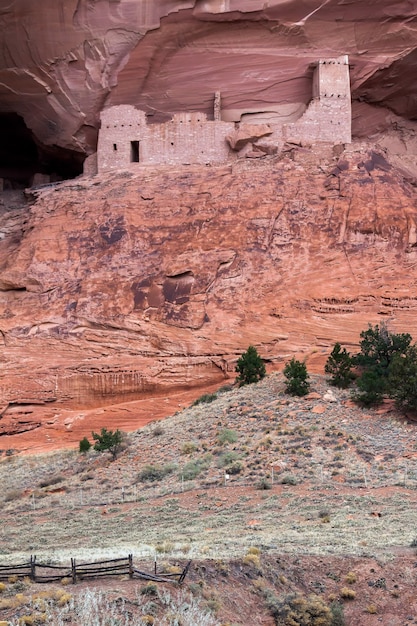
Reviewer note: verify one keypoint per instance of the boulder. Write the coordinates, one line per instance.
(247, 133)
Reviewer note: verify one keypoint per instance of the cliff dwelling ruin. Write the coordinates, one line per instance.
(126, 138)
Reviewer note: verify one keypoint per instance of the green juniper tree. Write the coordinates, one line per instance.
(297, 378)
(379, 348)
(339, 366)
(402, 379)
(250, 367)
(108, 440)
(84, 445)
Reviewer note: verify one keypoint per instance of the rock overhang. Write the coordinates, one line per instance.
(167, 57)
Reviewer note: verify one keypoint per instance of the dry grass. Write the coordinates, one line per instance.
(358, 466)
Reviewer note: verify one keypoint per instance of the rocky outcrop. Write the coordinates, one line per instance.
(132, 285)
(61, 63)
(247, 133)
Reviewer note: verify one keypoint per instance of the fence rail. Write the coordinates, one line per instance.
(76, 572)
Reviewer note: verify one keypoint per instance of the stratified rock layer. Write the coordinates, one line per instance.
(62, 62)
(142, 283)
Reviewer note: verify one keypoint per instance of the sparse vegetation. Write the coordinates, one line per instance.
(220, 518)
(227, 458)
(206, 398)
(192, 469)
(298, 610)
(188, 447)
(252, 559)
(350, 578)
(227, 436)
(264, 484)
(153, 473)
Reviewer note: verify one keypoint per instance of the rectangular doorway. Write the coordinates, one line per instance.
(134, 151)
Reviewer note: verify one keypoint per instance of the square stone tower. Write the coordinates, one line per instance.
(328, 117)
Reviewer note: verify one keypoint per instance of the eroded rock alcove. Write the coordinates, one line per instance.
(79, 57)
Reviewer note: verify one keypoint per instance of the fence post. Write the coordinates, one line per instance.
(130, 565)
(73, 571)
(33, 568)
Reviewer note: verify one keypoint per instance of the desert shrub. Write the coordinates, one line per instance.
(264, 484)
(153, 473)
(12, 494)
(297, 378)
(250, 367)
(108, 440)
(51, 480)
(324, 514)
(253, 560)
(206, 398)
(192, 469)
(227, 458)
(234, 468)
(150, 589)
(338, 615)
(158, 431)
(289, 479)
(188, 447)
(164, 548)
(225, 389)
(347, 594)
(298, 610)
(350, 578)
(227, 436)
(339, 366)
(84, 445)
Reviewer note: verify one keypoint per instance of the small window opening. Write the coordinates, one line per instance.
(134, 151)
(115, 147)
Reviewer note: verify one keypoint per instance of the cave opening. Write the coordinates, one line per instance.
(24, 161)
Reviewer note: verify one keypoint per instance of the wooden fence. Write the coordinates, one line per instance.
(76, 572)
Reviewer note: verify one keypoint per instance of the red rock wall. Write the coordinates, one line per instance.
(138, 283)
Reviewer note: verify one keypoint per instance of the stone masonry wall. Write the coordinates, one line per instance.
(188, 138)
(329, 115)
(125, 137)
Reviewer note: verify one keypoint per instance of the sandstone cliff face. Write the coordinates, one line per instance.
(131, 285)
(61, 62)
